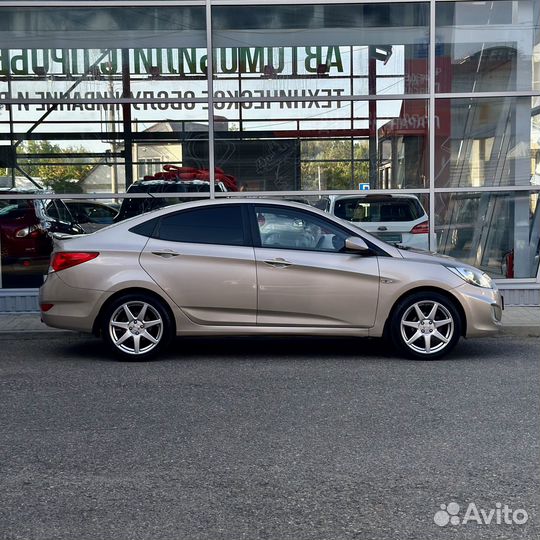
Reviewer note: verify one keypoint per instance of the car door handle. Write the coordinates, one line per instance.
(278, 263)
(166, 253)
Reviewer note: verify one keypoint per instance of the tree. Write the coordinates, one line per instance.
(331, 164)
(57, 173)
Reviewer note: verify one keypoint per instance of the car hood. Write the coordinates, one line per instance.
(429, 256)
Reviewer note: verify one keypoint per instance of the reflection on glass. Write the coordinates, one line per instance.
(484, 142)
(92, 74)
(497, 232)
(302, 51)
(486, 46)
(100, 152)
(358, 145)
(103, 53)
(26, 244)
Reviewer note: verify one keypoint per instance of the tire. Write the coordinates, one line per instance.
(127, 331)
(425, 326)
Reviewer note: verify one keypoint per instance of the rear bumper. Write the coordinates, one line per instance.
(73, 308)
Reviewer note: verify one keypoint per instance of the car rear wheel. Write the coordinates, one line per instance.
(425, 326)
(136, 327)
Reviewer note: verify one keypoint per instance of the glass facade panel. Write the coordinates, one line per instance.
(361, 145)
(92, 53)
(68, 69)
(108, 156)
(486, 142)
(495, 231)
(487, 46)
(322, 50)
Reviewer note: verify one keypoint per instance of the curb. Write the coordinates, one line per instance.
(520, 331)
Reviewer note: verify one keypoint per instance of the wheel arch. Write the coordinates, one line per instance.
(96, 328)
(449, 296)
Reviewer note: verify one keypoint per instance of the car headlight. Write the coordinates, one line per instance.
(472, 276)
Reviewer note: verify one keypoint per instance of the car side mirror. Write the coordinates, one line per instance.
(356, 245)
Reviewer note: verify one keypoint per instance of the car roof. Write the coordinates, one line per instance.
(221, 201)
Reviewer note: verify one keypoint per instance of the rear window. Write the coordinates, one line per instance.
(15, 207)
(365, 210)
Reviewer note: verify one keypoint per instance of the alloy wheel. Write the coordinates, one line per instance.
(427, 327)
(136, 327)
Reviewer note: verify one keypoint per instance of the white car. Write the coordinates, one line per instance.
(396, 219)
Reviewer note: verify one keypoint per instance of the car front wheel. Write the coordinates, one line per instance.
(425, 326)
(136, 327)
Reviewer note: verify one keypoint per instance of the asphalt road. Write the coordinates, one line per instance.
(265, 439)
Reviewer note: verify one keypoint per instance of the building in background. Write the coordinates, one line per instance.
(438, 98)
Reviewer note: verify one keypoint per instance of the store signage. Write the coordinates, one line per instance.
(185, 61)
(154, 99)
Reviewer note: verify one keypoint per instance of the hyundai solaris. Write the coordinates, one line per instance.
(260, 267)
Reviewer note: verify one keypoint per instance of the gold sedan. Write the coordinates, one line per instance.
(260, 267)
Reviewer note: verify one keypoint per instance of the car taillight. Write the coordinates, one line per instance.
(34, 231)
(421, 228)
(66, 259)
(46, 307)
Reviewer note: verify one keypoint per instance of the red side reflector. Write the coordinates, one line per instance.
(421, 228)
(66, 259)
(46, 307)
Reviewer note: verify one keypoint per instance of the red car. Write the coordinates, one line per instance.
(25, 244)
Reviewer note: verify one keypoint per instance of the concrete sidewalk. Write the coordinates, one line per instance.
(518, 321)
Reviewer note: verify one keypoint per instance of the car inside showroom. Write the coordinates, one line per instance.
(416, 120)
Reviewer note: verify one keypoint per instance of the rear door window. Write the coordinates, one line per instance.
(223, 225)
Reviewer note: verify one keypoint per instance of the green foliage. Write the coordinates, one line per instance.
(57, 173)
(332, 164)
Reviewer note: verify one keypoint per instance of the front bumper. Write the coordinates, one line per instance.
(483, 309)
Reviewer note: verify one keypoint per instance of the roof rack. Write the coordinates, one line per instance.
(174, 173)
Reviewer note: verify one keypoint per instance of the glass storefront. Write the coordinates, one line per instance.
(311, 102)
(486, 46)
(498, 232)
(485, 142)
